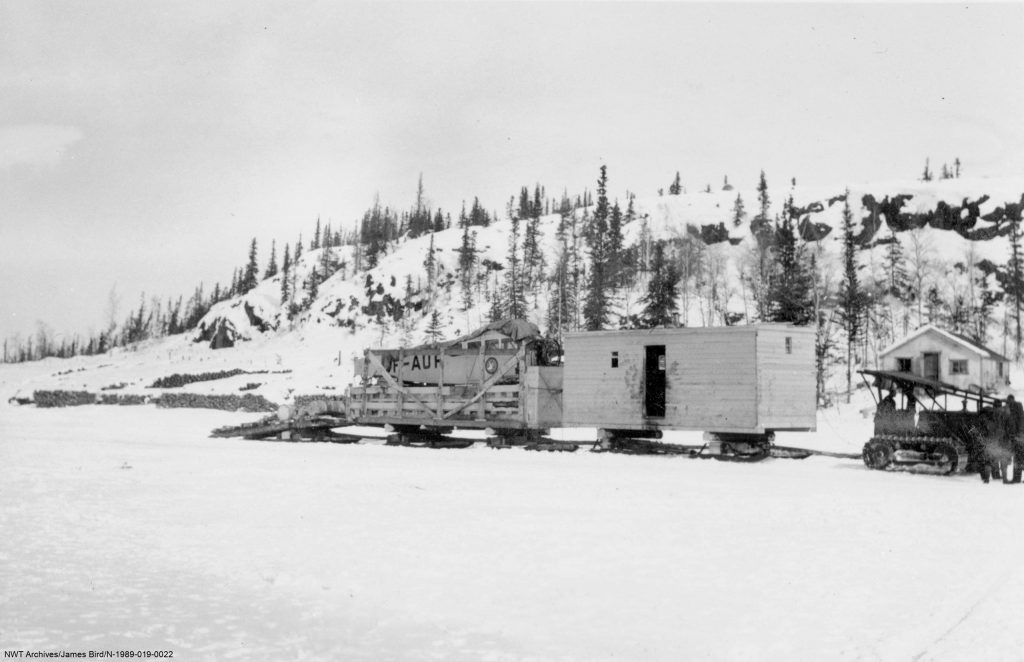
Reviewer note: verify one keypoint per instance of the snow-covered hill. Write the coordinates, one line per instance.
(390, 305)
(951, 217)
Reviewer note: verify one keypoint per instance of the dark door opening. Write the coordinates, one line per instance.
(654, 381)
(931, 366)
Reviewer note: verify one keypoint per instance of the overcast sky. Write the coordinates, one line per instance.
(142, 144)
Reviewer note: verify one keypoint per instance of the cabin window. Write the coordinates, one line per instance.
(958, 367)
(903, 365)
(473, 346)
(789, 345)
(615, 359)
(491, 344)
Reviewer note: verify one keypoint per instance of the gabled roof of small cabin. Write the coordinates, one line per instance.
(962, 340)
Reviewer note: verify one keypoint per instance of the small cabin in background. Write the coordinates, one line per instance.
(944, 356)
(738, 379)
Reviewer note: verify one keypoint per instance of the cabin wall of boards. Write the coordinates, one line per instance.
(742, 379)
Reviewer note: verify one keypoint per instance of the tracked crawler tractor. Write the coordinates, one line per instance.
(926, 426)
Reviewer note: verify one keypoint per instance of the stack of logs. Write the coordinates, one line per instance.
(246, 402)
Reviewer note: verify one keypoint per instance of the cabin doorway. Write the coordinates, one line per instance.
(654, 381)
(931, 366)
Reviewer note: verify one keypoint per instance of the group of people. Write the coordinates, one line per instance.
(1003, 444)
(996, 437)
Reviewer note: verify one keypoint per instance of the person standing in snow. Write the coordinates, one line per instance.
(996, 447)
(1015, 426)
(1002, 441)
(989, 442)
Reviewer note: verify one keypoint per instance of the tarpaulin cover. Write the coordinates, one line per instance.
(518, 330)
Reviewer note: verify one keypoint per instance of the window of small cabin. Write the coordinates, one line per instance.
(491, 344)
(473, 345)
(958, 366)
(615, 359)
(903, 364)
(789, 345)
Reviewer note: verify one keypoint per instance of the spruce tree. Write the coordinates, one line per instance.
(790, 289)
(514, 296)
(762, 197)
(430, 264)
(327, 262)
(272, 264)
(897, 280)
(562, 301)
(851, 299)
(597, 306)
(643, 246)
(560, 304)
(249, 278)
(738, 212)
(616, 263)
(987, 300)
(496, 312)
(293, 286)
(286, 265)
(533, 253)
(676, 187)
(312, 287)
(662, 290)
(478, 215)
(764, 240)
(434, 328)
(316, 236)
(467, 266)
(933, 304)
(525, 209)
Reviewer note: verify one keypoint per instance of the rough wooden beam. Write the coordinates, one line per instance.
(391, 380)
(512, 360)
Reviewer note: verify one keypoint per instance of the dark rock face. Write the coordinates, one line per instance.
(254, 320)
(224, 337)
(889, 211)
(221, 333)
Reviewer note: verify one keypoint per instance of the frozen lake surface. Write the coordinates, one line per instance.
(126, 527)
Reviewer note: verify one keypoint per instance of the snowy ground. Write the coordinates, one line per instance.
(128, 528)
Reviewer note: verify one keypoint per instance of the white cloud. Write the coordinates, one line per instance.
(35, 144)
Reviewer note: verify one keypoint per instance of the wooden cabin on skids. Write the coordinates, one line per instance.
(734, 381)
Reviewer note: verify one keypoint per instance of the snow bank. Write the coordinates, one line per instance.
(128, 528)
